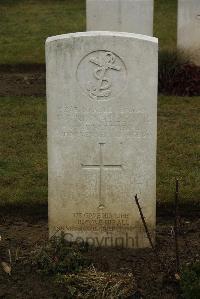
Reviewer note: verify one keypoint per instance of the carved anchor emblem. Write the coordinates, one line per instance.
(102, 87)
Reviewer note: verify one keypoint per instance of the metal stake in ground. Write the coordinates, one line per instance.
(176, 227)
(163, 265)
(145, 226)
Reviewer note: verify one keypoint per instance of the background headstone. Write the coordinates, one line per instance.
(189, 28)
(120, 15)
(102, 111)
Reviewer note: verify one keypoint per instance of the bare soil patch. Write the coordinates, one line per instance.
(150, 277)
(22, 80)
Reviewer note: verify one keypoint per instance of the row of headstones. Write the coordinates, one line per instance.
(102, 132)
(137, 16)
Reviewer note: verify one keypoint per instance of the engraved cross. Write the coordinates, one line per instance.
(101, 166)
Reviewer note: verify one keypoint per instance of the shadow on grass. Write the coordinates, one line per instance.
(31, 211)
(35, 212)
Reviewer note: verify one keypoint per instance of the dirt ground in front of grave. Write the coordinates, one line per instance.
(149, 275)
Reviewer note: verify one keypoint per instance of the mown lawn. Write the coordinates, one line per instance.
(23, 152)
(165, 23)
(178, 153)
(25, 25)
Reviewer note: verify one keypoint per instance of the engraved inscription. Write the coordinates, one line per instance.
(102, 75)
(101, 166)
(103, 221)
(103, 124)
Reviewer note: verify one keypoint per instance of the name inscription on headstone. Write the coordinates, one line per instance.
(103, 123)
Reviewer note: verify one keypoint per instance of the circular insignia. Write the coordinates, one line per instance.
(102, 75)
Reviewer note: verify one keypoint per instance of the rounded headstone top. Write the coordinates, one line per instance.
(103, 34)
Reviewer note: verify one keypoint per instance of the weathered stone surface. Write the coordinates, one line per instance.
(121, 15)
(189, 28)
(102, 110)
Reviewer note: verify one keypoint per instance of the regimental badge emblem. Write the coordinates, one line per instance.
(102, 75)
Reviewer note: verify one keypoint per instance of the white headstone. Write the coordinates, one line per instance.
(102, 110)
(120, 15)
(189, 28)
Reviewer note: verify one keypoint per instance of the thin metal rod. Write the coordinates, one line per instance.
(163, 264)
(144, 224)
(176, 233)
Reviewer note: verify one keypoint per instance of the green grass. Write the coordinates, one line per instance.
(23, 153)
(178, 147)
(25, 24)
(23, 158)
(165, 23)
